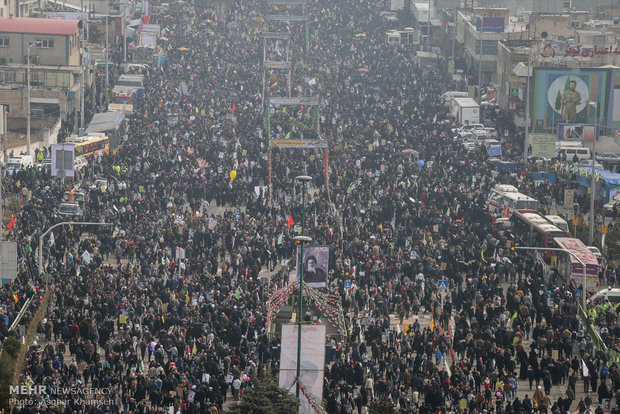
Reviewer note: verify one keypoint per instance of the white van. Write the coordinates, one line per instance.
(568, 154)
(613, 294)
(16, 164)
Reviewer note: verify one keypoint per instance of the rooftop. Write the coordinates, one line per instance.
(37, 26)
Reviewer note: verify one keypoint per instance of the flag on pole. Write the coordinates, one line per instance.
(432, 325)
(238, 293)
(11, 223)
(290, 221)
(52, 239)
(234, 107)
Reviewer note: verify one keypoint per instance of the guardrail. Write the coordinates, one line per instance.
(594, 335)
(21, 313)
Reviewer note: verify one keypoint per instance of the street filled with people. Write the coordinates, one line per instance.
(165, 309)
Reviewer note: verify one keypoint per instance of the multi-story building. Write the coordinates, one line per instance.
(55, 71)
(481, 46)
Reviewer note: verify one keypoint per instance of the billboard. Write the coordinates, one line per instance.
(561, 95)
(316, 265)
(543, 145)
(312, 361)
(577, 132)
(613, 113)
(490, 24)
(62, 160)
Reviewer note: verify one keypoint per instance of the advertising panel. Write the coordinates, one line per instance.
(561, 96)
(490, 24)
(312, 361)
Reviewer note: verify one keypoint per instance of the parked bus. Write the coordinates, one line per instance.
(535, 230)
(558, 222)
(505, 199)
(570, 269)
(95, 144)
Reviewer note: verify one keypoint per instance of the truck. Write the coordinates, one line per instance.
(15, 164)
(465, 111)
(125, 96)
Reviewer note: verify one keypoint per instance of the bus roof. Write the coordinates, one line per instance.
(578, 248)
(534, 217)
(548, 227)
(80, 140)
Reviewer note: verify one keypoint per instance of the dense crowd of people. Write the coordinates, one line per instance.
(178, 332)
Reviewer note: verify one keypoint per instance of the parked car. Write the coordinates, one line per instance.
(469, 146)
(538, 160)
(588, 163)
(609, 207)
(101, 184)
(70, 209)
(389, 16)
(78, 197)
(596, 252)
(611, 294)
(608, 157)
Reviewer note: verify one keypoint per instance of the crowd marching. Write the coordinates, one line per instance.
(183, 335)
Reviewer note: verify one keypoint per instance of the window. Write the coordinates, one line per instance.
(4, 42)
(10, 76)
(45, 43)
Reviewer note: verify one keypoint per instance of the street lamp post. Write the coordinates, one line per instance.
(301, 240)
(592, 177)
(583, 266)
(72, 223)
(28, 95)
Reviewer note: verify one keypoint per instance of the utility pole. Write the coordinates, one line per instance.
(480, 65)
(124, 32)
(428, 28)
(82, 74)
(5, 132)
(593, 174)
(526, 142)
(301, 240)
(107, 76)
(28, 99)
(28, 95)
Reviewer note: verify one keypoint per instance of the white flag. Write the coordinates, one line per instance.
(86, 257)
(584, 367)
(52, 239)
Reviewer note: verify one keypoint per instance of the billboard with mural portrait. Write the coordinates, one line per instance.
(613, 112)
(316, 265)
(561, 96)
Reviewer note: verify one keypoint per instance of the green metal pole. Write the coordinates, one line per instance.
(301, 281)
(268, 123)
